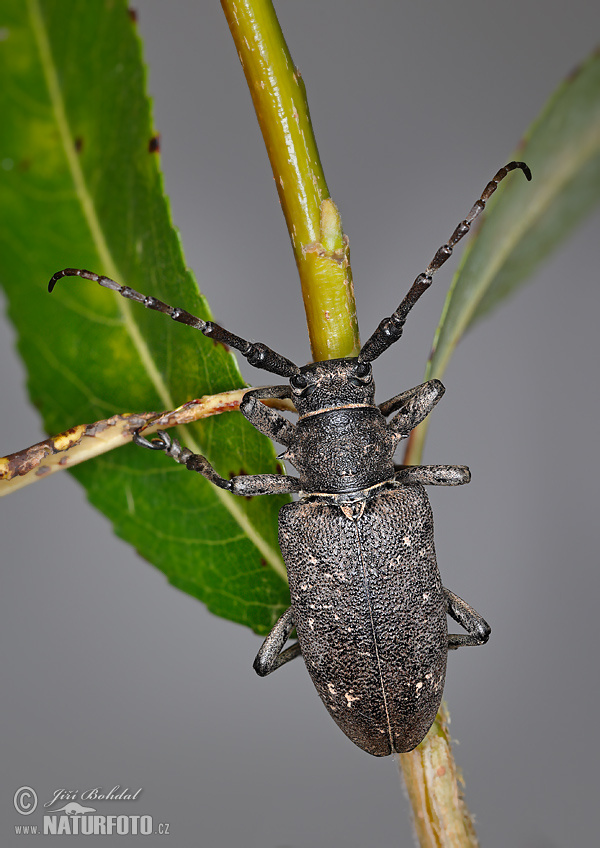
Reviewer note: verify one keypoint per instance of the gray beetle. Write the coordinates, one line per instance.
(368, 604)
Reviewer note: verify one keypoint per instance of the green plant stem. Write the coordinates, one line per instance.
(320, 247)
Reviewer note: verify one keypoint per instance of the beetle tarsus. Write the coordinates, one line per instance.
(478, 630)
(271, 656)
(154, 444)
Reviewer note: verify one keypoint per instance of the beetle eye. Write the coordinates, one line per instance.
(298, 382)
(362, 369)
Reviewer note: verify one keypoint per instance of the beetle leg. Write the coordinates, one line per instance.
(270, 656)
(268, 421)
(414, 406)
(476, 626)
(246, 485)
(433, 475)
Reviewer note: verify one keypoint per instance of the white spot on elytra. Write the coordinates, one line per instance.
(419, 685)
(350, 698)
(311, 623)
(407, 541)
(426, 596)
(332, 689)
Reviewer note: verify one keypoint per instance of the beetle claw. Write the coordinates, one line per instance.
(162, 443)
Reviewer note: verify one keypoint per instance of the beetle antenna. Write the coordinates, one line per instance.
(256, 353)
(390, 329)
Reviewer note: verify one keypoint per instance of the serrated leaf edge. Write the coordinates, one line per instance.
(271, 555)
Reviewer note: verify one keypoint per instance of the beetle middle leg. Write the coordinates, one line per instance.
(246, 486)
(478, 630)
(270, 656)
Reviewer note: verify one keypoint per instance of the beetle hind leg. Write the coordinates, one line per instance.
(270, 656)
(478, 630)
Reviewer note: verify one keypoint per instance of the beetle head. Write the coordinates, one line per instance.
(333, 383)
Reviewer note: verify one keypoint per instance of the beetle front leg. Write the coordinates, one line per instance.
(414, 406)
(477, 628)
(268, 421)
(270, 656)
(433, 475)
(247, 485)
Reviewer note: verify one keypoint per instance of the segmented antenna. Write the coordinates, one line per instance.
(256, 353)
(390, 329)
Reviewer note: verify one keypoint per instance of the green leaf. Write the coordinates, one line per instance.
(80, 187)
(525, 221)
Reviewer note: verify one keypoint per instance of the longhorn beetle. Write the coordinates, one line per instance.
(368, 604)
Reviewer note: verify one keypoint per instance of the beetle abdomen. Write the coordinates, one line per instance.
(370, 612)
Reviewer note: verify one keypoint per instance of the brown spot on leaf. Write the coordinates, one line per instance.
(78, 144)
(217, 343)
(133, 15)
(154, 144)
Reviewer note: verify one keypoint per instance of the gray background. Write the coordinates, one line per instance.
(110, 676)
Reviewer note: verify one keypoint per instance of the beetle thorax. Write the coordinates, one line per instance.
(342, 442)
